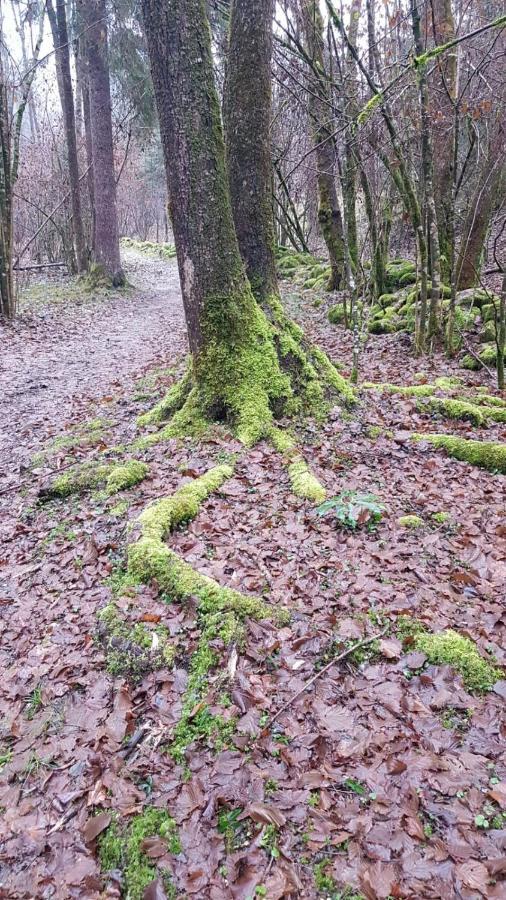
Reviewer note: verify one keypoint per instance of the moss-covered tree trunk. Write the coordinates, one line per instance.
(319, 107)
(238, 370)
(246, 108)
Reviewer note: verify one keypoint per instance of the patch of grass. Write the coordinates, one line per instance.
(34, 703)
(235, 833)
(5, 757)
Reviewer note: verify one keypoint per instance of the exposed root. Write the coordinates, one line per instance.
(485, 454)
(221, 610)
(304, 483)
(271, 372)
(111, 476)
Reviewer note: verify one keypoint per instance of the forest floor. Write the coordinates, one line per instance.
(386, 778)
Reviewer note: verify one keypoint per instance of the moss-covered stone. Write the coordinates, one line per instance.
(450, 648)
(304, 483)
(440, 518)
(120, 847)
(485, 454)
(458, 409)
(410, 522)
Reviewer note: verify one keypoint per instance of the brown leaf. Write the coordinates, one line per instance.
(155, 891)
(498, 793)
(414, 828)
(95, 826)
(474, 875)
(260, 812)
(391, 648)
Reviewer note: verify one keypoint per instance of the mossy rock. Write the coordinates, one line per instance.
(407, 278)
(386, 300)
(412, 522)
(488, 333)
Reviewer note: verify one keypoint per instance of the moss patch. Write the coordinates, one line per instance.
(450, 648)
(120, 847)
(410, 522)
(485, 454)
(415, 390)
(132, 650)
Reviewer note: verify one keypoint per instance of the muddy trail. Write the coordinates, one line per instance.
(385, 776)
(62, 353)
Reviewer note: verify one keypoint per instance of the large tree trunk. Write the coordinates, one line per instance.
(237, 353)
(319, 106)
(247, 105)
(59, 29)
(106, 235)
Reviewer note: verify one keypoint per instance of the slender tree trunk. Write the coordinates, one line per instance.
(237, 351)
(106, 234)
(488, 196)
(247, 105)
(501, 335)
(58, 23)
(443, 86)
(320, 113)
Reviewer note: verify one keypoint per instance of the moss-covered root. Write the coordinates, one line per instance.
(150, 558)
(304, 483)
(466, 410)
(161, 517)
(269, 371)
(414, 390)
(111, 476)
(485, 454)
(450, 648)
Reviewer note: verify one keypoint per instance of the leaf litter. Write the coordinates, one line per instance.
(369, 782)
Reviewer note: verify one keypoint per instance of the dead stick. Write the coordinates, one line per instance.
(329, 665)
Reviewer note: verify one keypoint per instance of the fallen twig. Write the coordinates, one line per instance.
(329, 665)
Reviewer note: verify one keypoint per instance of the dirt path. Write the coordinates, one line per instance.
(60, 356)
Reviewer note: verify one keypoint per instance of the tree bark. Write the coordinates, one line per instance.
(106, 234)
(319, 105)
(61, 42)
(246, 108)
(237, 351)
(443, 85)
(489, 195)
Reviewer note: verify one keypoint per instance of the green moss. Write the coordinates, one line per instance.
(336, 314)
(93, 475)
(440, 518)
(410, 522)
(172, 401)
(485, 454)
(489, 400)
(415, 390)
(369, 108)
(282, 441)
(120, 848)
(150, 248)
(459, 409)
(132, 650)
(125, 476)
(470, 362)
(450, 648)
(447, 383)
(304, 484)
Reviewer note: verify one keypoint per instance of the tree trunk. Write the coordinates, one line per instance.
(237, 352)
(488, 196)
(319, 105)
(61, 42)
(106, 235)
(246, 107)
(443, 85)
